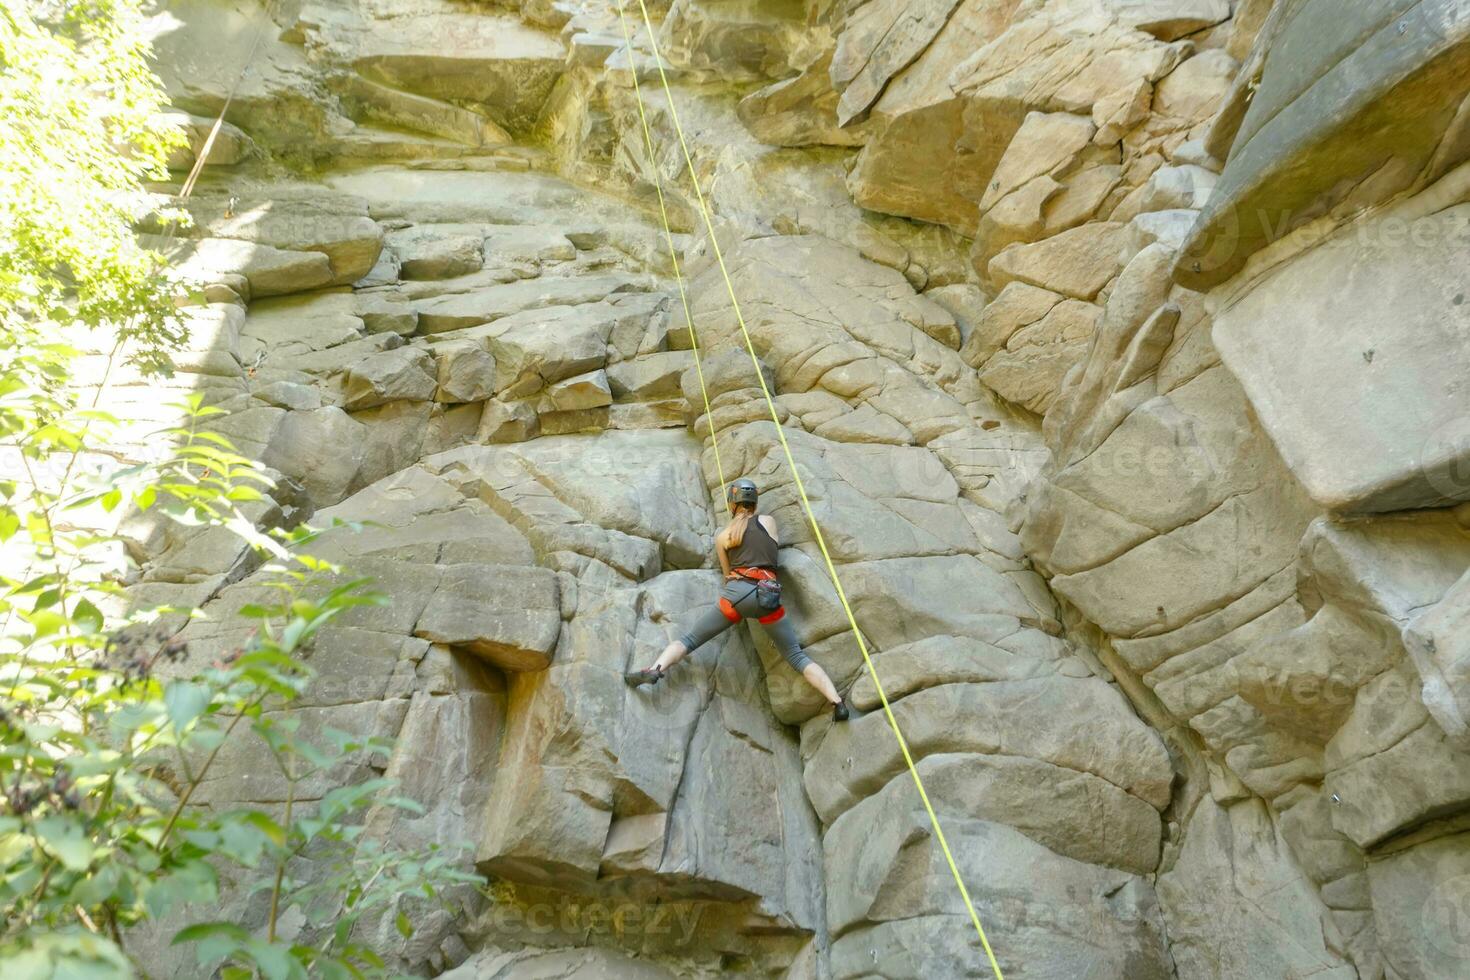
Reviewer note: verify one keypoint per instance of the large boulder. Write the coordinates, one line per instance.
(494, 62)
(507, 615)
(1348, 351)
(1355, 113)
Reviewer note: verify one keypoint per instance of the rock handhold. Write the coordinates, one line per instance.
(1169, 20)
(403, 374)
(509, 615)
(1077, 263)
(426, 255)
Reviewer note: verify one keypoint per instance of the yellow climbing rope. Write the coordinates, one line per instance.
(658, 185)
(790, 459)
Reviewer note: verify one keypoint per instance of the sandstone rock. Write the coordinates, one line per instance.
(1236, 838)
(296, 218)
(385, 315)
(289, 395)
(465, 372)
(1119, 933)
(1076, 263)
(538, 348)
(197, 50)
(1120, 111)
(270, 271)
(430, 256)
(1186, 186)
(655, 375)
(1030, 369)
(799, 111)
(582, 391)
(878, 40)
(494, 62)
(507, 246)
(741, 43)
(229, 147)
(1436, 640)
(393, 438)
(507, 422)
(571, 964)
(505, 614)
(367, 101)
(965, 302)
(1170, 19)
(1303, 669)
(1309, 134)
(937, 660)
(1352, 448)
(1196, 87)
(1130, 757)
(457, 311)
(1046, 144)
(944, 123)
(1017, 306)
(1418, 897)
(404, 373)
(451, 426)
(323, 449)
(866, 425)
(421, 518)
(1168, 228)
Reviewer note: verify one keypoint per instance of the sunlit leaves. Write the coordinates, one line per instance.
(79, 130)
(108, 724)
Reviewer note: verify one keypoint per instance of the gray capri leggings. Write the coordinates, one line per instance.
(741, 594)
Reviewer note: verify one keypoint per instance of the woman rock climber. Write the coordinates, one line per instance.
(747, 549)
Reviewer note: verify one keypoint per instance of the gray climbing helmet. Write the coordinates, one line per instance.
(742, 492)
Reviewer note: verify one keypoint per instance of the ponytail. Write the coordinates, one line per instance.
(735, 531)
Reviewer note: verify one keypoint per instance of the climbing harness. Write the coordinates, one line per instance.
(765, 586)
(781, 435)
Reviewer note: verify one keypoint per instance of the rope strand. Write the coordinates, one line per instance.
(658, 185)
(801, 489)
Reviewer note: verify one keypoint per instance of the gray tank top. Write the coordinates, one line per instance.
(756, 550)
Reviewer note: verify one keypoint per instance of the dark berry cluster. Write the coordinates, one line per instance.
(134, 654)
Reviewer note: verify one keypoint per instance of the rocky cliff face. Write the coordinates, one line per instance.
(1123, 348)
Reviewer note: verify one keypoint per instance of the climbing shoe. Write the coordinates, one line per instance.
(648, 675)
(839, 711)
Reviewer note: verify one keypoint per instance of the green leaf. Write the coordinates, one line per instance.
(185, 701)
(275, 963)
(208, 930)
(65, 839)
(405, 927)
(68, 955)
(87, 617)
(194, 881)
(242, 842)
(9, 523)
(333, 970)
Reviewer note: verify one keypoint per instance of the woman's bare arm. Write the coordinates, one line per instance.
(720, 554)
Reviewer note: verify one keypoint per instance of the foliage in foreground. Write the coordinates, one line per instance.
(106, 741)
(108, 726)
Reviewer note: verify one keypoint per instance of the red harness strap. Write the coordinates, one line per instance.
(758, 574)
(752, 573)
(729, 610)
